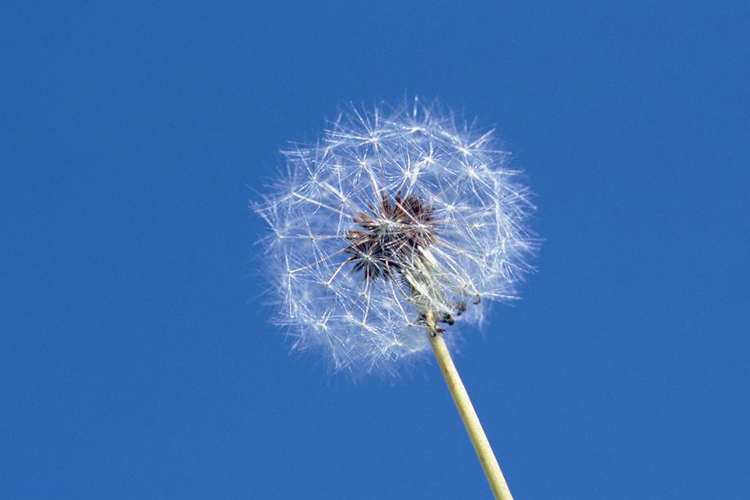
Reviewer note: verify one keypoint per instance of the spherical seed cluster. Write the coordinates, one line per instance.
(390, 216)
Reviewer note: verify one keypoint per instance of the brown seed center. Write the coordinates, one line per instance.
(390, 235)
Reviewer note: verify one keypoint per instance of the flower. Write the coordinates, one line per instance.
(392, 215)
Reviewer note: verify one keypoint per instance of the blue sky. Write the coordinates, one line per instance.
(136, 359)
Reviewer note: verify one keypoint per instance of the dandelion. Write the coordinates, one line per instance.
(392, 229)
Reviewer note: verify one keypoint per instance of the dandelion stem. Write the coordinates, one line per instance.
(466, 409)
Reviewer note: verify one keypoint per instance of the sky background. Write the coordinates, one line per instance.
(136, 357)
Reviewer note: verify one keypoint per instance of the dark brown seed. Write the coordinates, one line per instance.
(390, 235)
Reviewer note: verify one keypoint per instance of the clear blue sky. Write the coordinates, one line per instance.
(136, 361)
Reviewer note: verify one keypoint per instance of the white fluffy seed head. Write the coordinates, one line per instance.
(391, 215)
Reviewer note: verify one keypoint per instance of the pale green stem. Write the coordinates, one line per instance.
(466, 410)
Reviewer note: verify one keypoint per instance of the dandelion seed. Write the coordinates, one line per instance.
(393, 214)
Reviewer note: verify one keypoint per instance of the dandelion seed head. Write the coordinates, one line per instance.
(392, 214)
